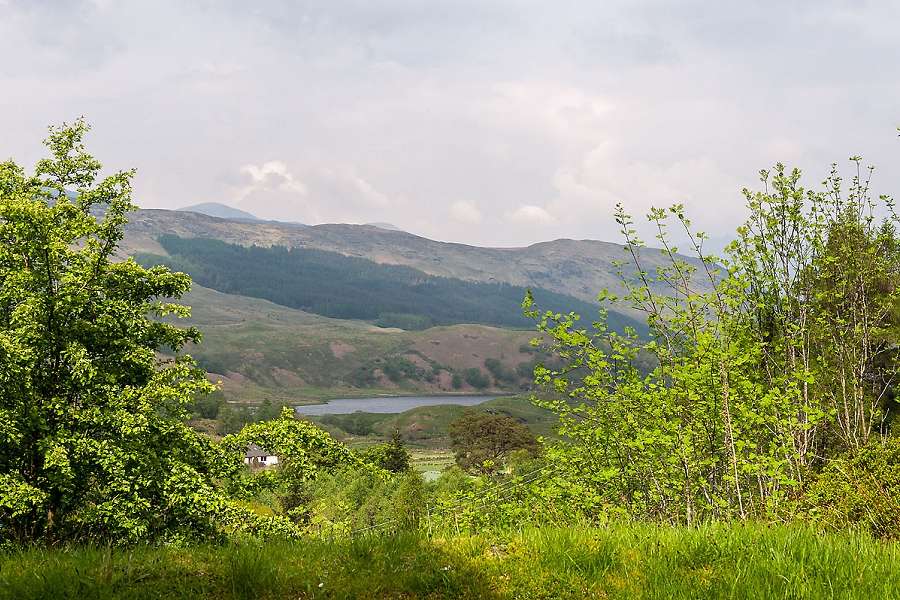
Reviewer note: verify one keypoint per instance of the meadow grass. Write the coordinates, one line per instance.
(621, 561)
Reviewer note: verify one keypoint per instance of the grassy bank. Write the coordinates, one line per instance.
(624, 561)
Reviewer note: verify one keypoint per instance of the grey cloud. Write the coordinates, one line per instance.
(476, 110)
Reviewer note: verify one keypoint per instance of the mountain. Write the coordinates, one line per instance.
(222, 211)
(388, 226)
(577, 268)
(255, 306)
(334, 285)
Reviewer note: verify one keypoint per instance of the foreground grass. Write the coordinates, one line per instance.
(624, 561)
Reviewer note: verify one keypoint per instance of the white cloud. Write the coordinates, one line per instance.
(465, 212)
(271, 176)
(532, 215)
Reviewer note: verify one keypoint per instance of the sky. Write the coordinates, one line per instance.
(488, 122)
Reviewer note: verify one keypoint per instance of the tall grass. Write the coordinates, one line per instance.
(622, 561)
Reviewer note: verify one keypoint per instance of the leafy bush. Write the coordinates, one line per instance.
(456, 381)
(209, 405)
(392, 456)
(398, 368)
(355, 500)
(502, 373)
(861, 489)
(94, 445)
(476, 378)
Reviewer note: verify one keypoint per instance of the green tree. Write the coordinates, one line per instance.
(93, 444)
(476, 378)
(391, 456)
(396, 457)
(766, 363)
(457, 381)
(208, 406)
(483, 441)
(502, 374)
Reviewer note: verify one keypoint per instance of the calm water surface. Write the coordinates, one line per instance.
(386, 404)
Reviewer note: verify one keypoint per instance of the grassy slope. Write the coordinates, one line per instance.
(623, 561)
(262, 350)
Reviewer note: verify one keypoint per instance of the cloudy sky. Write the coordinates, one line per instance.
(494, 122)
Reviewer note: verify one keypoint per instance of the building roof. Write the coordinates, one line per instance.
(254, 451)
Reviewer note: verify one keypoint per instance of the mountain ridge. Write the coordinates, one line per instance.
(222, 211)
(579, 268)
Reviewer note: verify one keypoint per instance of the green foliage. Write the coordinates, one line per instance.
(93, 441)
(396, 457)
(356, 423)
(483, 441)
(502, 374)
(456, 381)
(307, 447)
(354, 500)
(860, 490)
(209, 405)
(476, 378)
(231, 419)
(764, 365)
(94, 445)
(397, 368)
(392, 456)
(335, 285)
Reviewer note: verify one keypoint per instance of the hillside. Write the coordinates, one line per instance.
(258, 350)
(222, 211)
(578, 268)
(334, 285)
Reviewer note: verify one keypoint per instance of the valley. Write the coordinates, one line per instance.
(258, 350)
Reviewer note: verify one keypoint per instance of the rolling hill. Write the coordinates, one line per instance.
(262, 349)
(334, 285)
(258, 349)
(578, 268)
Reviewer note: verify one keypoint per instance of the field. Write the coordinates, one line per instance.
(622, 561)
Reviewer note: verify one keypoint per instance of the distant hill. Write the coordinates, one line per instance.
(222, 211)
(334, 285)
(578, 268)
(259, 350)
(264, 350)
(387, 226)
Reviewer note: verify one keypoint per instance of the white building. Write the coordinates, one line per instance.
(259, 457)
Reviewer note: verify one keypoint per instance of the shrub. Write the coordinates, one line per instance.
(457, 381)
(476, 378)
(501, 373)
(861, 489)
